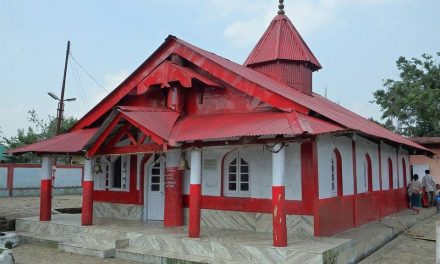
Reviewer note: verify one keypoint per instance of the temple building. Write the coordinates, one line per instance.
(193, 139)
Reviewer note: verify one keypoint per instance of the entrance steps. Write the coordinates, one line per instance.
(74, 239)
(151, 243)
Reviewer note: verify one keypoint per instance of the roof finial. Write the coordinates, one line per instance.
(281, 8)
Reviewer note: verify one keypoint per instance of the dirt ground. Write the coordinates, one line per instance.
(405, 249)
(16, 207)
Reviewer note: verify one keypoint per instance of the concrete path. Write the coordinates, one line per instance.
(17, 207)
(32, 254)
(405, 249)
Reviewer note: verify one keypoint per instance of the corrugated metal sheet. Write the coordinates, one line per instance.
(315, 102)
(281, 41)
(248, 124)
(72, 142)
(160, 121)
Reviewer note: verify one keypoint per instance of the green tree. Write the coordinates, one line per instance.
(40, 129)
(411, 105)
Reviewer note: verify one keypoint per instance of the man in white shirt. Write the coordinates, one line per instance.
(429, 185)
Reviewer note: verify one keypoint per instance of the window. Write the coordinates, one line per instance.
(118, 176)
(390, 174)
(117, 173)
(237, 175)
(155, 178)
(368, 173)
(336, 173)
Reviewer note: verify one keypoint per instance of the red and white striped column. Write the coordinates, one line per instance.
(87, 195)
(173, 211)
(46, 188)
(278, 196)
(195, 193)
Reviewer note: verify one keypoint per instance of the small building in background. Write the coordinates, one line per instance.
(420, 163)
(2, 154)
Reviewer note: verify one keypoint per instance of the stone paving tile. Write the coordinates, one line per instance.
(16, 207)
(33, 254)
(404, 249)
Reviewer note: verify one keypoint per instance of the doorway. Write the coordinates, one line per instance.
(155, 191)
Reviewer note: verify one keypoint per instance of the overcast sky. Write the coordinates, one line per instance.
(356, 41)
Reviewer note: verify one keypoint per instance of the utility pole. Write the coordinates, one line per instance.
(61, 101)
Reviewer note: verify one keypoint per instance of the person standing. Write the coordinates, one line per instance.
(415, 188)
(429, 185)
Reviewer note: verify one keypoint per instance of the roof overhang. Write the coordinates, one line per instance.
(71, 143)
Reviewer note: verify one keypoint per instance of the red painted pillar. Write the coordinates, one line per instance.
(195, 194)
(87, 195)
(278, 197)
(46, 189)
(173, 211)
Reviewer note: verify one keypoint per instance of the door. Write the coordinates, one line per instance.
(156, 191)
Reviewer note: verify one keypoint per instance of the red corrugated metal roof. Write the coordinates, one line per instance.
(248, 124)
(72, 142)
(160, 121)
(315, 102)
(281, 41)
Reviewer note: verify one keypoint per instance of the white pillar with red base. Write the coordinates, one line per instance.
(87, 195)
(195, 193)
(46, 188)
(278, 196)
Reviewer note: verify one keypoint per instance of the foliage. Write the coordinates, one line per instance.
(411, 105)
(40, 129)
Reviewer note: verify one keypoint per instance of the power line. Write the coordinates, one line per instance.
(79, 85)
(90, 75)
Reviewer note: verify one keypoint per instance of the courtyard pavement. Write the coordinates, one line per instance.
(18, 207)
(405, 249)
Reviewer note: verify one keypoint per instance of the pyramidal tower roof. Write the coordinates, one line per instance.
(281, 41)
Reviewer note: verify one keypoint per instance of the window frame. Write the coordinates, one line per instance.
(125, 173)
(236, 155)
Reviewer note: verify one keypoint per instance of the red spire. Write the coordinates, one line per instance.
(281, 41)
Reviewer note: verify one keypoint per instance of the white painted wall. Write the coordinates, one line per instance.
(27, 177)
(260, 161)
(387, 151)
(363, 147)
(67, 177)
(325, 145)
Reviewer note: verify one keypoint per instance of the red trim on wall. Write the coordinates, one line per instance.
(367, 207)
(390, 175)
(309, 176)
(339, 171)
(369, 173)
(404, 173)
(335, 215)
(252, 205)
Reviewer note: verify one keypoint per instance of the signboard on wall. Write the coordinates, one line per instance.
(210, 164)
